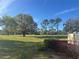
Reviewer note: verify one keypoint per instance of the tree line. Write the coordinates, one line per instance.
(51, 26)
(20, 24)
(71, 25)
(25, 24)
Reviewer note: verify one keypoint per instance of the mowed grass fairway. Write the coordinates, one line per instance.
(18, 47)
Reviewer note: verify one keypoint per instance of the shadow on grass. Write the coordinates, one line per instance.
(52, 37)
(20, 50)
(25, 50)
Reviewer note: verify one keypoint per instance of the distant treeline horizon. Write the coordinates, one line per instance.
(25, 24)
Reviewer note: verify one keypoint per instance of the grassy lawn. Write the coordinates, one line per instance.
(18, 47)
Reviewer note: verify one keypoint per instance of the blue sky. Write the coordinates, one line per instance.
(41, 9)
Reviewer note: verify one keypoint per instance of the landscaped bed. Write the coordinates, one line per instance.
(62, 46)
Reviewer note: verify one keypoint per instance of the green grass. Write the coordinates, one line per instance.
(18, 47)
(20, 38)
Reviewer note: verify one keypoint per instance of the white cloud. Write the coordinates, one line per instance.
(66, 11)
(4, 4)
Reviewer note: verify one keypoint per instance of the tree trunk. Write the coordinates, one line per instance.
(57, 28)
(23, 32)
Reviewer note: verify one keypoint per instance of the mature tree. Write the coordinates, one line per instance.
(45, 24)
(25, 22)
(69, 25)
(52, 24)
(57, 22)
(9, 24)
(76, 25)
(34, 28)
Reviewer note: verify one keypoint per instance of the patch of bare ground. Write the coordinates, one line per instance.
(68, 54)
(59, 55)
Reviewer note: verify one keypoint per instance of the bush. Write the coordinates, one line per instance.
(55, 44)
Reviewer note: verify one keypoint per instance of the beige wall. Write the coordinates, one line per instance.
(71, 38)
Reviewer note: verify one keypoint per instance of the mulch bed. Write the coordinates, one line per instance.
(62, 49)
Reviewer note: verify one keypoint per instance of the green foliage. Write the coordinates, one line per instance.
(26, 23)
(50, 25)
(57, 21)
(45, 24)
(22, 23)
(71, 25)
(9, 24)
